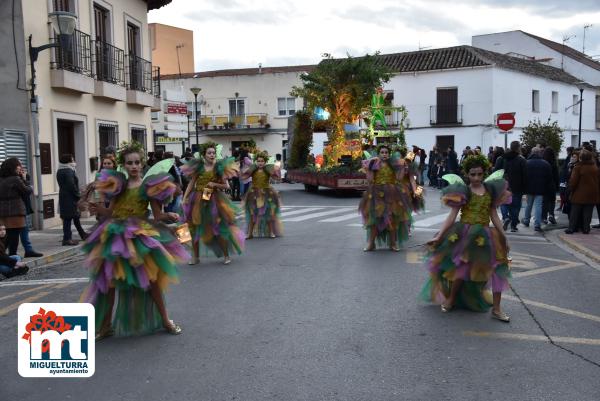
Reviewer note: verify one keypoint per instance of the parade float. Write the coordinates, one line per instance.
(358, 118)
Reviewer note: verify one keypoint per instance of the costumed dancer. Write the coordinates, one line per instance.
(384, 207)
(409, 184)
(262, 203)
(132, 259)
(468, 258)
(209, 212)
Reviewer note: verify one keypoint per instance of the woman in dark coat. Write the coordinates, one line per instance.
(585, 192)
(12, 207)
(68, 196)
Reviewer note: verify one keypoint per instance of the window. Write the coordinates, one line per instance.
(63, 5)
(575, 104)
(139, 135)
(535, 101)
(108, 134)
(554, 102)
(155, 115)
(286, 106)
(236, 107)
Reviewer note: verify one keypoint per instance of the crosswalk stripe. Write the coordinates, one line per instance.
(319, 214)
(344, 217)
(310, 209)
(67, 280)
(19, 293)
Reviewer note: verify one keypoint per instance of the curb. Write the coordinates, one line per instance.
(54, 257)
(580, 248)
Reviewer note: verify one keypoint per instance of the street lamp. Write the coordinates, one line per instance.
(64, 24)
(195, 91)
(580, 85)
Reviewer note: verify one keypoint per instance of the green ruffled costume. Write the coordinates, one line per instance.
(470, 250)
(212, 221)
(129, 252)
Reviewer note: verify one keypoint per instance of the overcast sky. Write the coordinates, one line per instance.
(237, 34)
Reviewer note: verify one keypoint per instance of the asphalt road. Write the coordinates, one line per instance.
(309, 316)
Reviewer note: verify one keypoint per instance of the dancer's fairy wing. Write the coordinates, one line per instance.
(497, 186)
(161, 167)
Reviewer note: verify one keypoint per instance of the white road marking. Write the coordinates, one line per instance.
(319, 214)
(558, 309)
(545, 270)
(531, 337)
(310, 209)
(70, 280)
(344, 217)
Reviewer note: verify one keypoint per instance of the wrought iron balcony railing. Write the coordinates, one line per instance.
(109, 63)
(156, 81)
(139, 74)
(73, 53)
(441, 114)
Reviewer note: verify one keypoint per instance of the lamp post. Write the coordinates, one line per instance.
(195, 91)
(63, 23)
(580, 111)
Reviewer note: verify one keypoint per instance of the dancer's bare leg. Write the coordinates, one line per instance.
(250, 229)
(157, 297)
(223, 244)
(371, 242)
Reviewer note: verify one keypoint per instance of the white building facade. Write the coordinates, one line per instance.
(93, 91)
(235, 106)
(453, 95)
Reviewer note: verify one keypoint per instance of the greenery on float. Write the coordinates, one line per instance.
(301, 141)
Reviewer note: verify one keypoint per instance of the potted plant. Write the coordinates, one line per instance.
(262, 120)
(267, 125)
(205, 126)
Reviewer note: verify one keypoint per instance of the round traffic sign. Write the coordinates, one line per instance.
(505, 121)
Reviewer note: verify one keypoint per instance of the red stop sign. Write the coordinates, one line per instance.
(505, 121)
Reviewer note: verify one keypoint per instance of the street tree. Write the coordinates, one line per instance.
(548, 133)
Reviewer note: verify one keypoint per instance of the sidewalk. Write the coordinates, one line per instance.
(587, 244)
(49, 242)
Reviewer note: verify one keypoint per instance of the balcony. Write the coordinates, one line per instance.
(71, 66)
(235, 124)
(109, 64)
(446, 115)
(139, 81)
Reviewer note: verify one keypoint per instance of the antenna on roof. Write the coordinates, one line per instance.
(585, 28)
(566, 38)
(423, 47)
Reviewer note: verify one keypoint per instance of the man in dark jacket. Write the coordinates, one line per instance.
(515, 173)
(452, 163)
(539, 183)
(68, 196)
